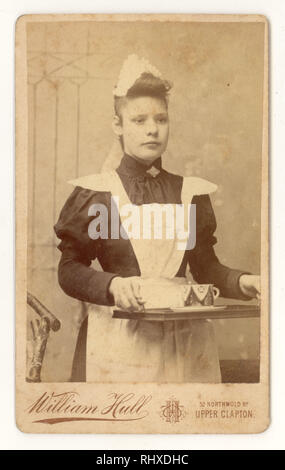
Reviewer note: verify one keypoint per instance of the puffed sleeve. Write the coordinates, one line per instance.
(75, 276)
(204, 264)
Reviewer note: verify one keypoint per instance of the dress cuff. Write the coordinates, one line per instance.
(233, 284)
(98, 288)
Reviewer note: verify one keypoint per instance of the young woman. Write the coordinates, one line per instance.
(112, 350)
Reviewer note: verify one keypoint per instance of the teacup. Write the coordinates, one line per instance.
(202, 295)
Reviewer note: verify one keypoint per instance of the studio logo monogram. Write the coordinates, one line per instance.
(172, 411)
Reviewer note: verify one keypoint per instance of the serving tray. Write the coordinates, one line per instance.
(191, 313)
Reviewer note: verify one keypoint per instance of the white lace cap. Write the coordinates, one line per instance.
(132, 68)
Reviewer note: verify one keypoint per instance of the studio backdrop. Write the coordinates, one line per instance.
(215, 113)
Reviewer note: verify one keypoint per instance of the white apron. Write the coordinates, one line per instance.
(147, 351)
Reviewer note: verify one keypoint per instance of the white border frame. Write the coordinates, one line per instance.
(274, 437)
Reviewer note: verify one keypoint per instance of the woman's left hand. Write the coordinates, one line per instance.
(250, 285)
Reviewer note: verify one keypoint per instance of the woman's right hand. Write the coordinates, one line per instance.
(126, 292)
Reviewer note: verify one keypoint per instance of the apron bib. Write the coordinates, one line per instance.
(144, 351)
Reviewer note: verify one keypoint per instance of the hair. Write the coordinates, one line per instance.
(146, 85)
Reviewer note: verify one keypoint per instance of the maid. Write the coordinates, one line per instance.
(113, 350)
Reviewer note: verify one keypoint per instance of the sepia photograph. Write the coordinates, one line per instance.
(145, 204)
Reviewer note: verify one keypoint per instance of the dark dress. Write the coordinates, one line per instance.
(117, 258)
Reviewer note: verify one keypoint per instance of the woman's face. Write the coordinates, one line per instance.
(144, 127)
